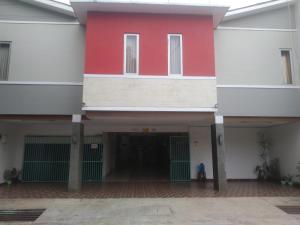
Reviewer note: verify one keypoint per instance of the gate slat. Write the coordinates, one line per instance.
(180, 159)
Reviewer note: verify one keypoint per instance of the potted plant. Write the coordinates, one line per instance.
(7, 177)
(11, 176)
(290, 180)
(297, 182)
(284, 180)
(263, 171)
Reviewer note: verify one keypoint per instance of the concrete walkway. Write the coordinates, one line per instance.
(185, 211)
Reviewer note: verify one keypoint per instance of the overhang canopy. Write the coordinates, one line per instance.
(82, 7)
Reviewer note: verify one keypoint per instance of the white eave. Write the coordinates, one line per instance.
(257, 8)
(52, 6)
(82, 7)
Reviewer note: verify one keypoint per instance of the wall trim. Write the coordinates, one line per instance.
(41, 83)
(147, 109)
(172, 77)
(39, 22)
(256, 29)
(260, 86)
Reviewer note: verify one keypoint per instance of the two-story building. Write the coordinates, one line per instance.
(104, 91)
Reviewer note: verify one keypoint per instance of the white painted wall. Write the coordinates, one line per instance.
(241, 151)
(252, 57)
(105, 165)
(200, 150)
(107, 155)
(297, 37)
(286, 147)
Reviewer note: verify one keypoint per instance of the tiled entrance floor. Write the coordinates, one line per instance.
(147, 190)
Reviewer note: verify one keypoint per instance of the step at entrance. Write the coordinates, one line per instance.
(295, 210)
(24, 215)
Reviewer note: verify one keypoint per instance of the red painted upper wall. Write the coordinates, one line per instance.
(105, 42)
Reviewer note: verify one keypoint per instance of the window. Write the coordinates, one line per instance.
(287, 66)
(4, 60)
(131, 53)
(175, 54)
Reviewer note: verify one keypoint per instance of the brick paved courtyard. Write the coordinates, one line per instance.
(147, 190)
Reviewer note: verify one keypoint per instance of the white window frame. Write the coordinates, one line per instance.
(290, 50)
(137, 54)
(181, 54)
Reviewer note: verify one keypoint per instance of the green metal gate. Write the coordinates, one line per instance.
(92, 159)
(47, 159)
(180, 170)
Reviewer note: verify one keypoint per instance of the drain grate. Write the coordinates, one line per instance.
(290, 209)
(20, 215)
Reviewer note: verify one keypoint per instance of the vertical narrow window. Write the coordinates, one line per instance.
(4, 60)
(131, 53)
(175, 54)
(287, 66)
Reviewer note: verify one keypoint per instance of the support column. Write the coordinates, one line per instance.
(76, 155)
(218, 154)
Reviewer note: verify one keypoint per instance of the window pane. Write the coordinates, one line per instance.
(4, 61)
(131, 54)
(287, 66)
(175, 55)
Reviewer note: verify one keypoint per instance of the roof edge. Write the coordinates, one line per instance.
(256, 8)
(82, 7)
(54, 6)
(149, 2)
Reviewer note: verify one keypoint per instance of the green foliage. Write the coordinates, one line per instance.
(264, 140)
(275, 174)
(11, 176)
(267, 170)
(289, 178)
(7, 176)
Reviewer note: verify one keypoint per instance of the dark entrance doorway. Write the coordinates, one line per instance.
(144, 157)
